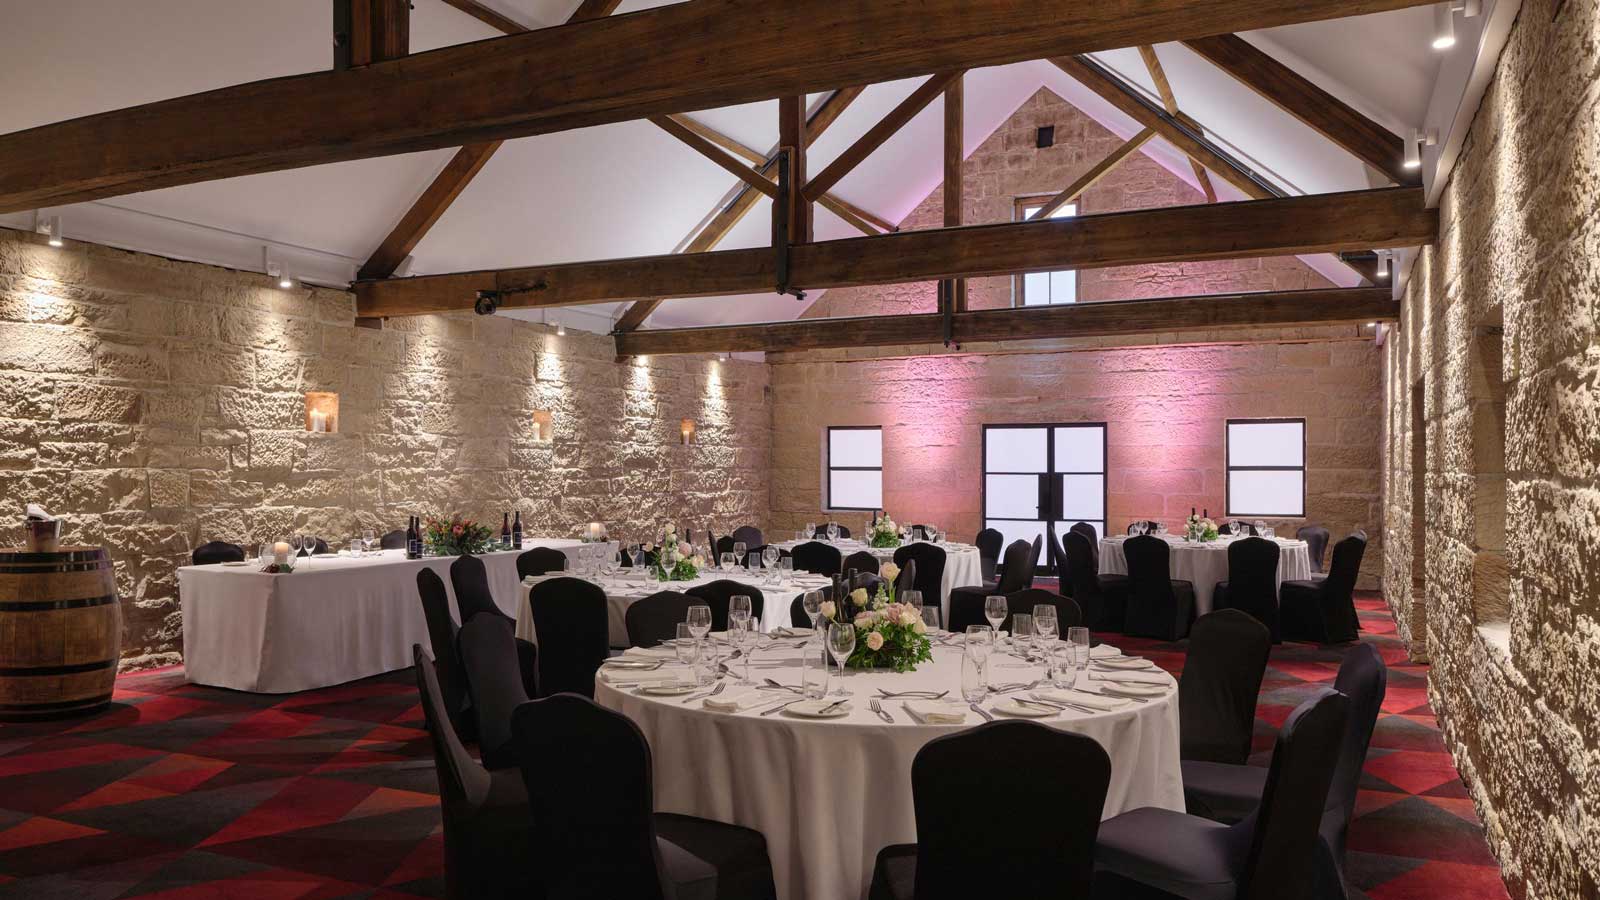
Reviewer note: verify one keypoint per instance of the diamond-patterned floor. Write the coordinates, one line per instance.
(190, 793)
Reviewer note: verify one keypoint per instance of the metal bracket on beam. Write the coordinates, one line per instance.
(780, 225)
(947, 310)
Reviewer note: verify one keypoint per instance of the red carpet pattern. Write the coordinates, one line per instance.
(189, 793)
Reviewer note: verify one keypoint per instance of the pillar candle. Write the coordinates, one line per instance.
(280, 553)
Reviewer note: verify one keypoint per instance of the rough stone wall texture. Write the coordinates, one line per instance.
(1516, 683)
(160, 405)
(1008, 165)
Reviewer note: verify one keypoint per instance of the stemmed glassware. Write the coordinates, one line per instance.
(1044, 628)
(740, 630)
(726, 563)
(770, 556)
(980, 643)
(699, 621)
(811, 532)
(912, 599)
(995, 609)
(369, 540)
(930, 619)
(833, 538)
(811, 602)
(841, 643)
(739, 554)
(1261, 528)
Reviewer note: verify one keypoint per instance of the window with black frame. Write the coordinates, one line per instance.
(1266, 467)
(855, 467)
(1039, 474)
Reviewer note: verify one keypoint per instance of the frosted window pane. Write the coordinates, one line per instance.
(1266, 443)
(1256, 493)
(856, 447)
(855, 490)
(1064, 286)
(1083, 497)
(1011, 496)
(1080, 450)
(1016, 449)
(1066, 211)
(1036, 289)
(1017, 531)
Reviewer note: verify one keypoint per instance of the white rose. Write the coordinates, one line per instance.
(875, 641)
(920, 628)
(890, 571)
(859, 596)
(909, 618)
(828, 609)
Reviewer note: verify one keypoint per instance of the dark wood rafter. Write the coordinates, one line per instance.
(711, 151)
(371, 31)
(1296, 95)
(955, 157)
(723, 222)
(1323, 223)
(875, 137)
(1100, 170)
(792, 143)
(1353, 306)
(1169, 101)
(462, 168)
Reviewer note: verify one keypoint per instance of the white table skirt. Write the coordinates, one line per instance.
(623, 591)
(332, 620)
(829, 794)
(1205, 564)
(962, 566)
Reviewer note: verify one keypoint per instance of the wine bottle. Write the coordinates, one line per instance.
(505, 531)
(413, 538)
(516, 531)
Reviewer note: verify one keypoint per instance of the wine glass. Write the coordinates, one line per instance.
(833, 537)
(814, 669)
(1261, 528)
(369, 539)
(770, 555)
(739, 632)
(811, 602)
(688, 647)
(930, 619)
(1044, 624)
(739, 603)
(980, 642)
(995, 610)
(841, 643)
(739, 552)
(811, 531)
(725, 562)
(1161, 529)
(699, 621)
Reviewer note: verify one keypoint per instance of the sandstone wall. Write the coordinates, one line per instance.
(1513, 634)
(161, 405)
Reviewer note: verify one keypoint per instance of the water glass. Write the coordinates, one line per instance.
(370, 539)
(699, 621)
(930, 619)
(1022, 634)
(1078, 637)
(980, 640)
(995, 610)
(726, 562)
(688, 647)
(811, 602)
(786, 569)
(739, 604)
(833, 532)
(974, 686)
(810, 534)
(841, 643)
(264, 555)
(1044, 624)
(814, 669)
(1064, 668)
(357, 548)
(740, 629)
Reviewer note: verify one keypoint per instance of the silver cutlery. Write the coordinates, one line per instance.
(1013, 688)
(882, 713)
(711, 693)
(780, 707)
(636, 666)
(833, 706)
(1024, 701)
(982, 712)
(769, 682)
(920, 695)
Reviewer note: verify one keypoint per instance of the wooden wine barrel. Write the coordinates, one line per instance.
(60, 632)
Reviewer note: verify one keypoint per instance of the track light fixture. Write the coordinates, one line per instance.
(276, 269)
(1444, 25)
(1384, 261)
(561, 329)
(486, 303)
(51, 228)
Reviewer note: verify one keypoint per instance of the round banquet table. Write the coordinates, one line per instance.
(962, 567)
(1205, 564)
(828, 794)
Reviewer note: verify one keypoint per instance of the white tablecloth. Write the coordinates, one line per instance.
(333, 620)
(962, 566)
(1206, 564)
(829, 794)
(623, 591)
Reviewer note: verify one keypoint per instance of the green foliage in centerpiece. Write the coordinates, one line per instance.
(1198, 528)
(457, 536)
(889, 635)
(673, 559)
(884, 533)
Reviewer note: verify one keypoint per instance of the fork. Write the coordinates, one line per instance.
(711, 693)
(771, 682)
(883, 714)
(920, 695)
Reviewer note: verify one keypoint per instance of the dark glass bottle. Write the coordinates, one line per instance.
(505, 531)
(516, 531)
(413, 538)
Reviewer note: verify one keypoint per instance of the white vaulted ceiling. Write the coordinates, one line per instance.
(619, 190)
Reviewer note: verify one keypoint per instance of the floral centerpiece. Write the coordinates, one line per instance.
(1199, 528)
(889, 635)
(457, 536)
(673, 559)
(884, 533)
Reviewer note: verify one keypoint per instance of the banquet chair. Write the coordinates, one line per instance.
(822, 531)
(1316, 538)
(1037, 550)
(394, 540)
(861, 561)
(1226, 793)
(1245, 528)
(1087, 530)
(1252, 583)
(749, 535)
(655, 618)
(989, 543)
(1153, 849)
(720, 545)
(470, 579)
(1050, 793)
(797, 612)
(569, 617)
(716, 595)
(1068, 615)
(318, 546)
(817, 558)
(540, 561)
(966, 602)
(1103, 598)
(442, 638)
(929, 574)
(214, 552)
(1159, 606)
(486, 825)
(596, 836)
(488, 653)
(1055, 561)
(1324, 611)
(907, 579)
(1221, 680)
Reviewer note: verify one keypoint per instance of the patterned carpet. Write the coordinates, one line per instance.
(191, 793)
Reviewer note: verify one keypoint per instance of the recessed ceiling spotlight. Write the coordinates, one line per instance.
(1444, 25)
(1414, 151)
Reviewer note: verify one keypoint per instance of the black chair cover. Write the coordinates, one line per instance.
(1055, 557)
(486, 825)
(487, 649)
(818, 558)
(1158, 606)
(1068, 615)
(214, 552)
(394, 540)
(1316, 538)
(470, 578)
(1049, 795)
(1087, 530)
(1217, 692)
(1103, 599)
(989, 543)
(749, 535)
(1035, 552)
(569, 616)
(716, 594)
(1325, 610)
(318, 546)
(1252, 583)
(928, 576)
(861, 561)
(595, 835)
(1245, 528)
(966, 602)
(1264, 856)
(907, 579)
(442, 638)
(540, 561)
(822, 531)
(797, 611)
(721, 545)
(655, 618)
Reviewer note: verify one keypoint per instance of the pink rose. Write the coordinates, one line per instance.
(684, 549)
(875, 641)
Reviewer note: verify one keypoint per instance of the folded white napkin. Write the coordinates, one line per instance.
(1083, 698)
(634, 678)
(1141, 677)
(936, 712)
(740, 700)
(651, 653)
(1134, 664)
(1102, 651)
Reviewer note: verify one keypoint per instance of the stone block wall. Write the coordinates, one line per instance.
(1493, 555)
(160, 405)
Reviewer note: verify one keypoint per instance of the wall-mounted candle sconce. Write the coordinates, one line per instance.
(686, 428)
(543, 427)
(322, 412)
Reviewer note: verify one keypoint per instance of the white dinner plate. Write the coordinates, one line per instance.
(236, 563)
(1131, 689)
(1024, 710)
(1131, 664)
(668, 689)
(813, 709)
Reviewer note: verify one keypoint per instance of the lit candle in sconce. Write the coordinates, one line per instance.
(686, 428)
(538, 430)
(319, 421)
(280, 553)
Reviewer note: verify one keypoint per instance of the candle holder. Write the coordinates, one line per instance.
(686, 430)
(322, 412)
(543, 427)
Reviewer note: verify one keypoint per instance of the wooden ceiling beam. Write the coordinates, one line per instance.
(1100, 170)
(1353, 306)
(506, 24)
(1169, 100)
(1389, 217)
(875, 137)
(711, 151)
(1296, 95)
(955, 157)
